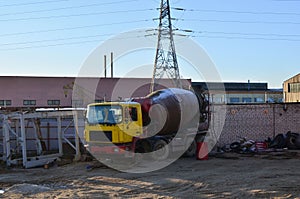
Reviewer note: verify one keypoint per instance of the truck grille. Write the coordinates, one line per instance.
(100, 136)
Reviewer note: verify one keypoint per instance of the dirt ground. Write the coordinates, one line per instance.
(274, 175)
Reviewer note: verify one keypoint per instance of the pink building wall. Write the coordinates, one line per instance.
(20, 88)
(40, 89)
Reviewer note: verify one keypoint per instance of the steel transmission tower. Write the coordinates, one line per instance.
(165, 59)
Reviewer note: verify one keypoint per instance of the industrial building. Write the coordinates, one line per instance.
(26, 91)
(291, 89)
(239, 93)
(22, 91)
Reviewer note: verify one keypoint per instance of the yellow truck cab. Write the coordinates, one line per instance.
(111, 126)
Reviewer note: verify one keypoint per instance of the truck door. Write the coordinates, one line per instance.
(133, 121)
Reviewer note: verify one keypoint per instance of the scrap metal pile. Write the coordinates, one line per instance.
(288, 140)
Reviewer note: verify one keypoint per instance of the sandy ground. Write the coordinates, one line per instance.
(275, 175)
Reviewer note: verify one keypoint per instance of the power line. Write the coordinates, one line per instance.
(58, 39)
(75, 15)
(244, 34)
(61, 39)
(238, 12)
(69, 7)
(72, 28)
(248, 38)
(267, 36)
(97, 40)
(189, 31)
(33, 3)
(66, 43)
(50, 45)
(245, 22)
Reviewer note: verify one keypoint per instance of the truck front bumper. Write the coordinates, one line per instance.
(123, 150)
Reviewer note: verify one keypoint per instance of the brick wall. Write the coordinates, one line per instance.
(256, 122)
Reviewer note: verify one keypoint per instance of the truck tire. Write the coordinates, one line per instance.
(142, 146)
(191, 151)
(161, 150)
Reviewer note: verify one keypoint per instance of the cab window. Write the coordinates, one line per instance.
(133, 114)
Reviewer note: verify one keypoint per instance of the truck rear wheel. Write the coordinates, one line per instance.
(161, 150)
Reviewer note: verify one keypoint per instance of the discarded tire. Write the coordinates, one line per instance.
(235, 146)
(291, 140)
(278, 142)
(297, 142)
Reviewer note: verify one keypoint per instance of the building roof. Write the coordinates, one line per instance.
(293, 79)
(231, 86)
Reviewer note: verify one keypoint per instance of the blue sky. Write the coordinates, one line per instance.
(257, 40)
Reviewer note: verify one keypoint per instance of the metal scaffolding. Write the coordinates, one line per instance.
(15, 136)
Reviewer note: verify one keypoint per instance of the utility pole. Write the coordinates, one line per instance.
(165, 59)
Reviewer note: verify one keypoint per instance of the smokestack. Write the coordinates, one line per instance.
(112, 64)
(105, 66)
(248, 85)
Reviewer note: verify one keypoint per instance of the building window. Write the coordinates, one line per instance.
(234, 100)
(29, 102)
(246, 100)
(77, 103)
(294, 87)
(259, 100)
(5, 102)
(53, 102)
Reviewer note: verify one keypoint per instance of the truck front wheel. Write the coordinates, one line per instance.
(161, 150)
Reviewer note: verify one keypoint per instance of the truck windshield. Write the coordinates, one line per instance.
(104, 114)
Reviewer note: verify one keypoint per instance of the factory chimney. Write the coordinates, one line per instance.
(105, 66)
(111, 65)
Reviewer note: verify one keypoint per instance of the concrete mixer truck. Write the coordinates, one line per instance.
(169, 119)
